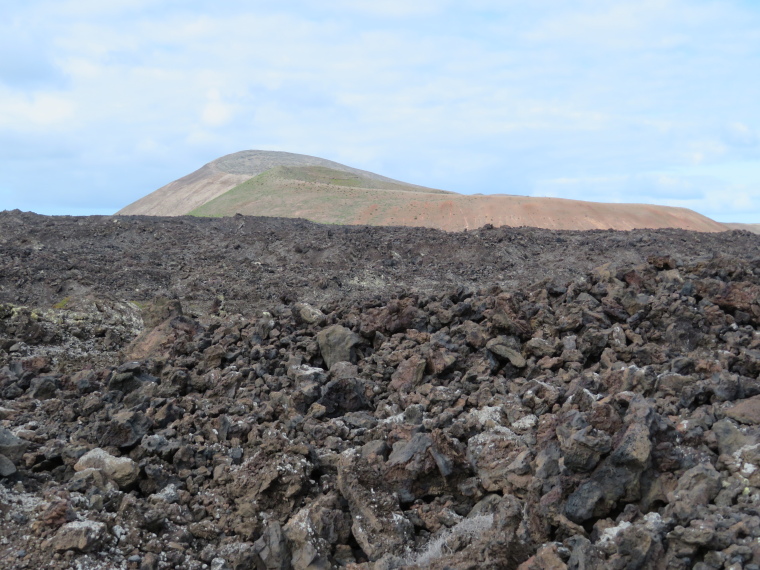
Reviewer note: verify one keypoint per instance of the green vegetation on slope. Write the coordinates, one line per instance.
(314, 192)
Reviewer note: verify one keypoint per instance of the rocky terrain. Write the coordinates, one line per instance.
(263, 393)
(282, 184)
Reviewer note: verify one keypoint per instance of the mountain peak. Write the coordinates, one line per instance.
(290, 185)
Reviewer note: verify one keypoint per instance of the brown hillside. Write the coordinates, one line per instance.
(264, 183)
(223, 174)
(754, 228)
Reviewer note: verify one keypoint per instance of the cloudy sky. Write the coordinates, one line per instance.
(652, 101)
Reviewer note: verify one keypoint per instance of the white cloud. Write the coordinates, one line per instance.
(216, 112)
(488, 96)
(390, 8)
(23, 112)
(739, 134)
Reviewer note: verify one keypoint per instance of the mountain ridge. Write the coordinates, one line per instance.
(274, 183)
(213, 179)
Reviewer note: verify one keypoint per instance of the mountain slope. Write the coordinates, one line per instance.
(265, 183)
(217, 177)
(328, 196)
(754, 228)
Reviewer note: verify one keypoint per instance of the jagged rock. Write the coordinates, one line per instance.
(424, 465)
(83, 536)
(122, 470)
(125, 429)
(585, 555)
(313, 530)
(540, 347)
(377, 523)
(272, 549)
(503, 347)
(344, 370)
(304, 373)
(634, 449)
(7, 468)
(272, 478)
(746, 412)
(616, 479)
(43, 388)
(547, 558)
(342, 396)
(491, 454)
(409, 374)
(728, 437)
(337, 343)
(165, 415)
(239, 555)
(305, 313)
(440, 360)
(475, 335)
(582, 444)
(83, 481)
(697, 486)
(399, 315)
(504, 317)
(11, 446)
(588, 420)
(205, 530)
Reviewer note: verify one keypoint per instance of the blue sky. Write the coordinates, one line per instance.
(624, 101)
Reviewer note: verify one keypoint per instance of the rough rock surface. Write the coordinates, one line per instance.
(573, 415)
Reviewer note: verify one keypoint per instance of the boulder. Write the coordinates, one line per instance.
(408, 374)
(272, 549)
(337, 344)
(746, 411)
(313, 530)
(342, 396)
(475, 335)
(491, 453)
(125, 429)
(698, 486)
(378, 526)
(81, 536)
(305, 313)
(728, 436)
(7, 468)
(11, 446)
(582, 445)
(504, 349)
(43, 388)
(399, 315)
(122, 470)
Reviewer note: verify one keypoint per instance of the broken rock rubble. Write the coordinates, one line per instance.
(605, 422)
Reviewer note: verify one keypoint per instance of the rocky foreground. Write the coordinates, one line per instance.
(601, 412)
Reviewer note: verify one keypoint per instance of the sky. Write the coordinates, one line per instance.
(646, 101)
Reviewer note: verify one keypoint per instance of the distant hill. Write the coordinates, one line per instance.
(268, 183)
(217, 177)
(754, 228)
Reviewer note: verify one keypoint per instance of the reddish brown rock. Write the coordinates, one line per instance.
(746, 411)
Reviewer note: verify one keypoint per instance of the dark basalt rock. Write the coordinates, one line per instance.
(501, 398)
